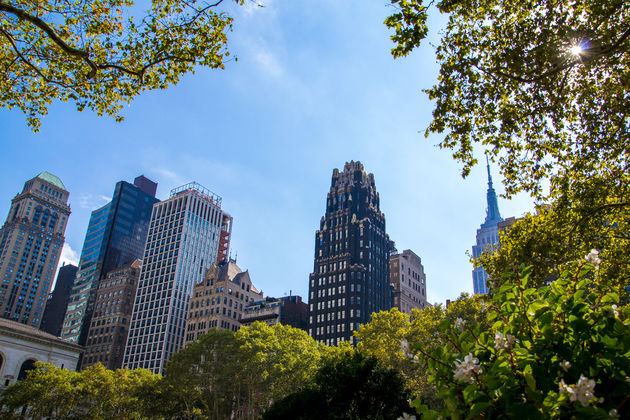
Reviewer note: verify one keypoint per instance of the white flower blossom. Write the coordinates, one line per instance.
(404, 346)
(613, 414)
(565, 365)
(459, 324)
(615, 311)
(582, 391)
(464, 371)
(502, 342)
(406, 416)
(593, 258)
(562, 387)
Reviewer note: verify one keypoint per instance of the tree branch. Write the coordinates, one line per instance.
(588, 55)
(82, 54)
(596, 210)
(74, 52)
(28, 63)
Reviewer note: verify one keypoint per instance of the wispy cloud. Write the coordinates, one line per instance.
(166, 173)
(91, 201)
(68, 256)
(268, 62)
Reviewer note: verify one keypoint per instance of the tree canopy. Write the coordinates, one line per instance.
(226, 374)
(390, 336)
(94, 393)
(543, 85)
(100, 54)
(350, 387)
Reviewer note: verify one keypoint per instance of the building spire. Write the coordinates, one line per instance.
(489, 175)
(492, 212)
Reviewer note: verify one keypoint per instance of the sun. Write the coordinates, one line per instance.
(576, 50)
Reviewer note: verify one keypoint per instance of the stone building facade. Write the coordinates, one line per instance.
(31, 240)
(112, 314)
(21, 346)
(408, 280)
(219, 300)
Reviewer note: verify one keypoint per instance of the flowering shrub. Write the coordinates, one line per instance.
(557, 351)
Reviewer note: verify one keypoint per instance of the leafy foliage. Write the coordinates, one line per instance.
(98, 54)
(382, 337)
(589, 213)
(203, 379)
(225, 374)
(557, 351)
(353, 387)
(544, 85)
(95, 393)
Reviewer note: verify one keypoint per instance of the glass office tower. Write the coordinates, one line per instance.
(188, 233)
(116, 235)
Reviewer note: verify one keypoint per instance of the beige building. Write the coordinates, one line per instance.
(218, 301)
(407, 277)
(112, 315)
(30, 245)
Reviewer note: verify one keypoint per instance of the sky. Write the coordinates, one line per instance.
(314, 86)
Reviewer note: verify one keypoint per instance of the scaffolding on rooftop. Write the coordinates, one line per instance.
(195, 186)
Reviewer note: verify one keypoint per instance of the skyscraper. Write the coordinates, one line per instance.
(487, 237)
(116, 235)
(188, 233)
(57, 303)
(30, 245)
(350, 279)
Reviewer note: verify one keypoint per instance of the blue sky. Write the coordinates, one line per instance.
(314, 86)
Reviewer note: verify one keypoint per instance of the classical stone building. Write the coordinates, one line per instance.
(116, 235)
(31, 240)
(287, 310)
(407, 277)
(188, 233)
(350, 279)
(21, 346)
(112, 314)
(487, 237)
(219, 300)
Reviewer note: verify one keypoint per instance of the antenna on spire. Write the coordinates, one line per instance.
(489, 175)
(492, 211)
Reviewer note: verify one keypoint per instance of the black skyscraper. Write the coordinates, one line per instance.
(350, 279)
(58, 301)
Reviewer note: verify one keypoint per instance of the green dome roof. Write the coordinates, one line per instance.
(53, 179)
